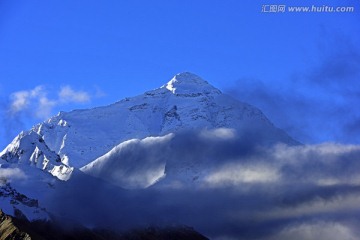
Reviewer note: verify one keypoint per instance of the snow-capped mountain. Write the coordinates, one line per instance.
(184, 153)
(146, 140)
(87, 138)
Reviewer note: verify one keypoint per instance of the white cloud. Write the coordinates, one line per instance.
(324, 152)
(335, 204)
(22, 99)
(67, 94)
(219, 133)
(45, 107)
(9, 174)
(235, 174)
(326, 164)
(36, 102)
(315, 231)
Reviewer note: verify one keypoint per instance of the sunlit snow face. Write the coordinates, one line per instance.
(133, 164)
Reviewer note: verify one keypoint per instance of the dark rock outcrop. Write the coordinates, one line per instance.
(21, 229)
(154, 233)
(9, 230)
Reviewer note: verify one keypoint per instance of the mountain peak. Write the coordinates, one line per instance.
(189, 77)
(189, 83)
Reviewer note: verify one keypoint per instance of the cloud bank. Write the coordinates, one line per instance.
(226, 190)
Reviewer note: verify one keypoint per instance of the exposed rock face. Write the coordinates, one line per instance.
(9, 231)
(16, 197)
(20, 229)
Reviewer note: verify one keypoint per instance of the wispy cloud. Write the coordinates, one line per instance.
(36, 102)
(31, 105)
(316, 230)
(22, 99)
(10, 174)
(67, 94)
(236, 174)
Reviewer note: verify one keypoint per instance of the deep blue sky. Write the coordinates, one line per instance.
(301, 69)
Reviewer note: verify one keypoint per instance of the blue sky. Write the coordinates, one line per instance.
(301, 69)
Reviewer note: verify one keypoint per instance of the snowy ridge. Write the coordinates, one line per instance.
(30, 148)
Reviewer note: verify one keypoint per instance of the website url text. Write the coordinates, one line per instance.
(306, 9)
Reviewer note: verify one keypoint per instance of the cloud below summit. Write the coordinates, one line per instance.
(273, 192)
